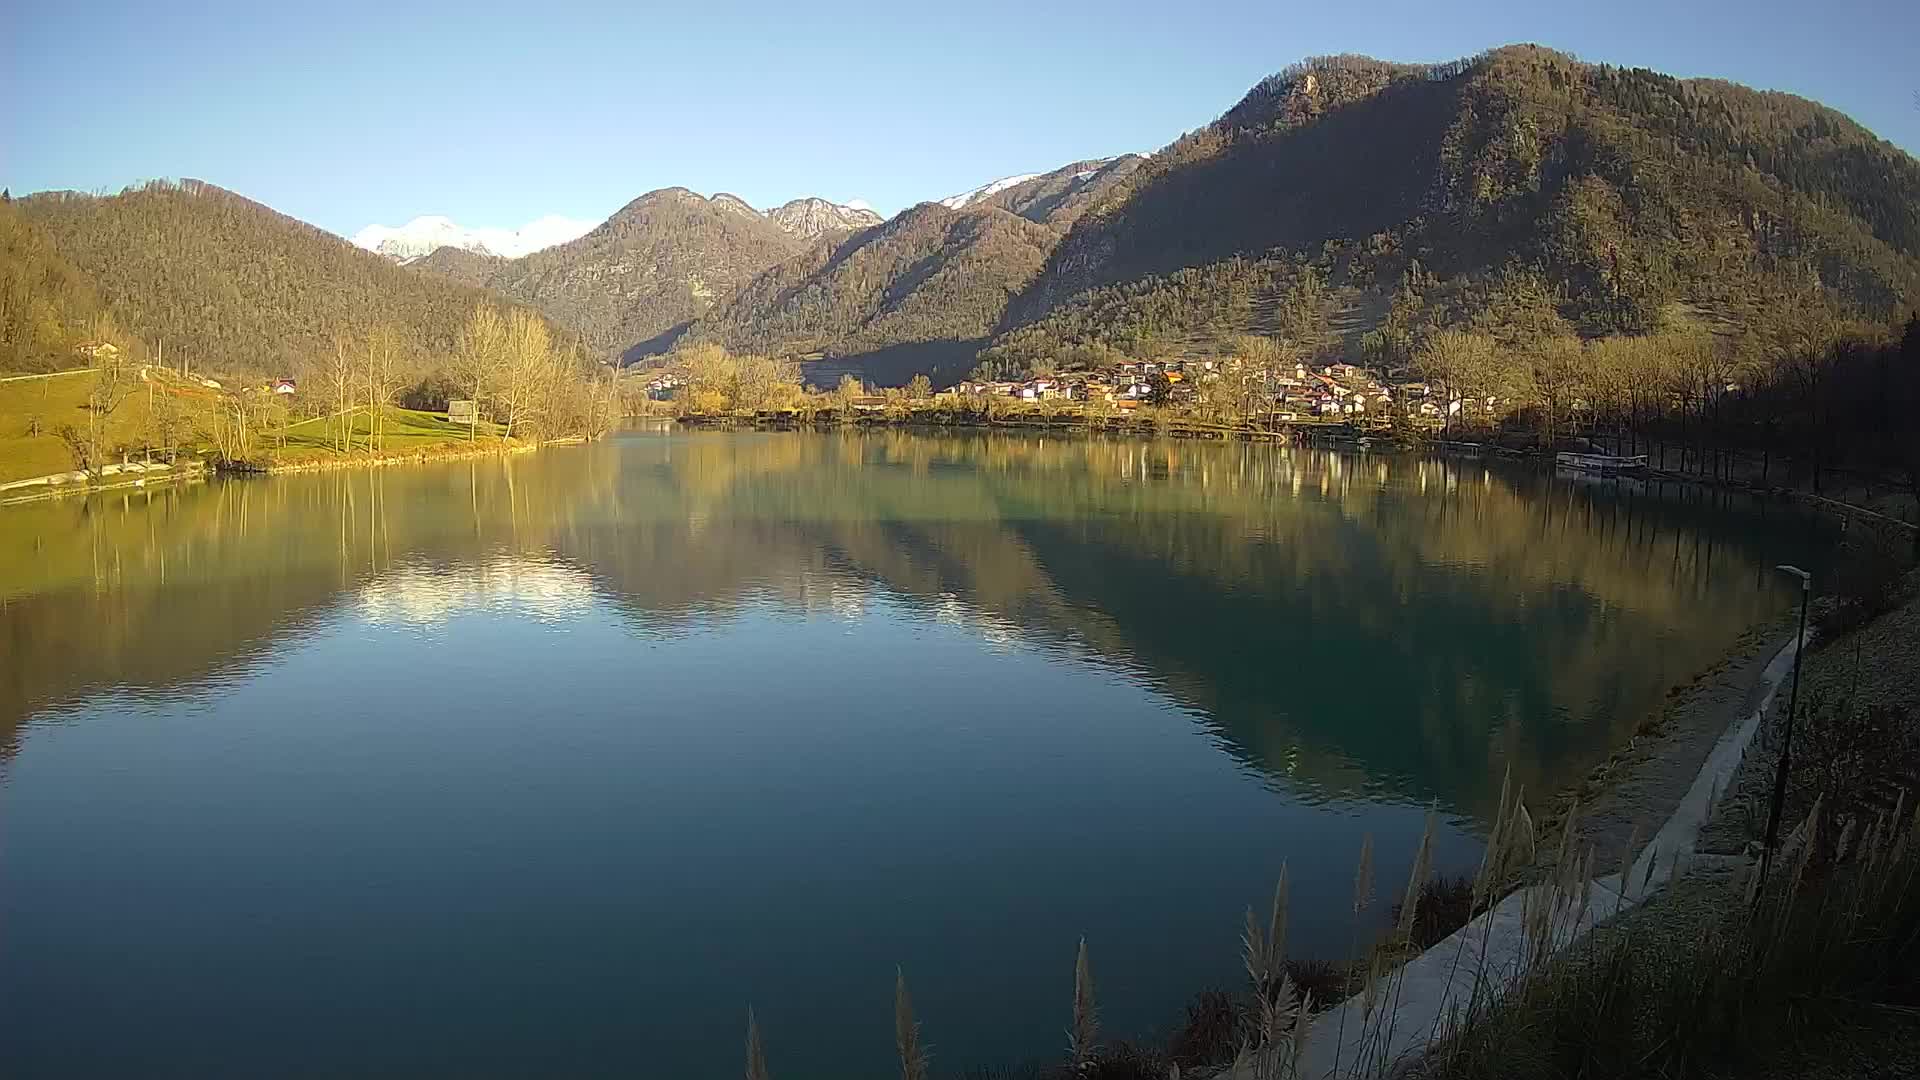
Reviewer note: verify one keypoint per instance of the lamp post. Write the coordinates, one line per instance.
(1786, 739)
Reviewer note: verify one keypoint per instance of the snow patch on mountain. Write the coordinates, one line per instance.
(427, 234)
(986, 191)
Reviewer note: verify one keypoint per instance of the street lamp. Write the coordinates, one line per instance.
(1786, 739)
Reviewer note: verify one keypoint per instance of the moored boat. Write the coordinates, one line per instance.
(1604, 464)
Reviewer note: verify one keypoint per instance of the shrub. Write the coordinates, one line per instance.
(1834, 933)
(1853, 754)
(1445, 904)
(1323, 979)
(431, 393)
(1122, 1061)
(1211, 1032)
(1867, 580)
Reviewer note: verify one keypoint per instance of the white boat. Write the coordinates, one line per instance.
(1604, 464)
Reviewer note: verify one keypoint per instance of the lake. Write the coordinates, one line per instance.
(554, 764)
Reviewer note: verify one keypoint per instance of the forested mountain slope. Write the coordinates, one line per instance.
(921, 292)
(930, 274)
(1626, 190)
(230, 285)
(659, 263)
(648, 271)
(47, 307)
(474, 268)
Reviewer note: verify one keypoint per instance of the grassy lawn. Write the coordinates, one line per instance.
(57, 400)
(406, 431)
(62, 399)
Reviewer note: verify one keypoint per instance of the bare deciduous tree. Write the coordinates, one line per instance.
(339, 380)
(383, 378)
(527, 365)
(481, 358)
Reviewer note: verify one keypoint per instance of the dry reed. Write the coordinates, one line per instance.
(756, 1054)
(1084, 1037)
(906, 1031)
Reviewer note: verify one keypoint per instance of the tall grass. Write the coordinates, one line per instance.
(1869, 577)
(756, 1053)
(1443, 904)
(1836, 931)
(1083, 1038)
(906, 1031)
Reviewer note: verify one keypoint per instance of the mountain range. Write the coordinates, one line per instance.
(1624, 197)
(922, 292)
(642, 276)
(804, 217)
(225, 283)
(426, 235)
(1517, 187)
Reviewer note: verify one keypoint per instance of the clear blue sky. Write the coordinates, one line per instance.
(345, 113)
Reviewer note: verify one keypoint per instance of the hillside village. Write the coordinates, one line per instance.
(1302, 392)
(1336, 390)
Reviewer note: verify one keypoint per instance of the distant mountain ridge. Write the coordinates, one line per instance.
(425, 235)
(925, 289)
(652, 268)
(984, 191)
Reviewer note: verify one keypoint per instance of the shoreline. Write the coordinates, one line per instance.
(122, 478)
(76, 483)
(1715, 730)
(1644, 780)
(380, 459)
(1706, 894)
(1071, 424)
(1296, 432)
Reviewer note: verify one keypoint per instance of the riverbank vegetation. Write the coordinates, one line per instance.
(1809, 972)
(374, 399)
(205, 323)
(368, 398)
(1783, 380)
(1805, 400)
(81, 419)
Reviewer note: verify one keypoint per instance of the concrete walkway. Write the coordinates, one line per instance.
(1420, 1004)
(124, 474)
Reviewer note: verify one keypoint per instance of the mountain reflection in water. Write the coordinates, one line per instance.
(587, 748)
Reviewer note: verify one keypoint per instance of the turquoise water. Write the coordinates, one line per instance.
(556, 764)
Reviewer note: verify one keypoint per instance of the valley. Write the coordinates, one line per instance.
(638, 597)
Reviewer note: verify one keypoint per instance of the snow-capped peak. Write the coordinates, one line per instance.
(427, 234)
(986, 191)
